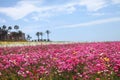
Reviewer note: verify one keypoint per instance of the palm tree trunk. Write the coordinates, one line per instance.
(38, 38)
(41, 38)
(47, 37)
(0, 37)
(4, 38)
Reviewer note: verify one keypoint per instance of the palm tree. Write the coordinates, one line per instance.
(28, 37)
(41, 34)
(0, 33)
(20, 35)
(4, 27)
(4, 32)
(48, 32)
(16, 35)
(16, 27)
(8, 32)
(9, 28)
(38, 34)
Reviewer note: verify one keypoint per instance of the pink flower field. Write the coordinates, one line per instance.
(78, 61)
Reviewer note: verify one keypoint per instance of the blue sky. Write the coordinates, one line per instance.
(68, 20)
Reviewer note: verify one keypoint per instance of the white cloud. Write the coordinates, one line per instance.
(96, 22)
(116, 1)
(2, 20)
(16, 13)
(96, 14)
(25, 7)
(93, 5)
(26, 20)
(19, 11)
(48, 11)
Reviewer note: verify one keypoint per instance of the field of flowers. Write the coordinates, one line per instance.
(25, 43)
(78, 61)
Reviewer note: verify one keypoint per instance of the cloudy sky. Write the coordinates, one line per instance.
(68, 20)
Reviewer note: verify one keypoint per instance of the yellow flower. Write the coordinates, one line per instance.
(74, 52)
(108, 65)
(98, 72)
(54, 58)
(106, 59)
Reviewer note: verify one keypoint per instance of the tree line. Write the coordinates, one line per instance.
(40, 36)
(7, 35)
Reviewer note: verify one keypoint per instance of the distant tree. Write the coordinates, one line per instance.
(16, 27)
(19, 34)
(8, 32)
(28, 37)
(4, 27)
(9, 28)
(41, 34)
(14, 36)
(0, 33)
(4, 32)
(48, 32)
(38, 34)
